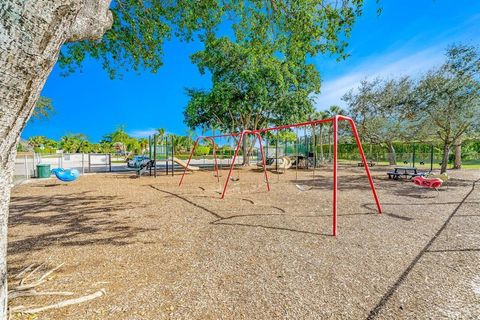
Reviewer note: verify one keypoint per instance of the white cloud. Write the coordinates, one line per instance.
(388, 66)
(142, 133)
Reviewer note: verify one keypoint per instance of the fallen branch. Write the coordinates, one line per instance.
(19, 276)
(61, 304)
(30, 274)
(29, 286)
(51, 271)
(30, 293)
(38, 282)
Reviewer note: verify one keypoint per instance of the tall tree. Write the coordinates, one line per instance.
(320, 115)
(380, 109)
(33, 31)
(119, 137)
(252, 88)
(74, 143)
(447, 99)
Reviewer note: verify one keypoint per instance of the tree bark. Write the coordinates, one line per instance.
(392, 158)
(31, 34)
(246, 150)
(458, 155)
(446, 152)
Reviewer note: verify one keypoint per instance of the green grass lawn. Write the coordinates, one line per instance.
(467, 164)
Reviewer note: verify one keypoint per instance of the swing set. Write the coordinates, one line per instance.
(257, 133)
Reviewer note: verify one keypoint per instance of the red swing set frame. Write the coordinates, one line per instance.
(257, 133)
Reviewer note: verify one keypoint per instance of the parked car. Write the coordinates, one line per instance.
(138, 161)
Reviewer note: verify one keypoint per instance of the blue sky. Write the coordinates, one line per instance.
(408, 38)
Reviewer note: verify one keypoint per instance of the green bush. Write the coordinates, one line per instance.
(202, 150)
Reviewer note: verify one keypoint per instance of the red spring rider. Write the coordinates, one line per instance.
(432, 183)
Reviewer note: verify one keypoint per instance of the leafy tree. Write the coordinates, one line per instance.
(134, 33)
(43, 108)
(161, 135)
(74, 143)
(143, 142)
(330, 113)
(181, 143)
(38, 141)
(252, 88)
(120, 139)
(320, 115)
(379, 107)
(447, 99)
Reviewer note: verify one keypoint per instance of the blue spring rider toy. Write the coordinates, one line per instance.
(66, 175)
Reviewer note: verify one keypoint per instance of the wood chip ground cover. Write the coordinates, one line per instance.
(164, 252)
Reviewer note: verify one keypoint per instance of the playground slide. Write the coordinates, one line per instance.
(283, 163)
(184, 164)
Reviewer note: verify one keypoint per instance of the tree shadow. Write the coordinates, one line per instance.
(75, 219)
(321, 182)
(224, 220)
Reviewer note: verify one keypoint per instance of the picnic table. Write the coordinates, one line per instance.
(406, 172)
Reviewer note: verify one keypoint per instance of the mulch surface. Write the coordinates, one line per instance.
(166, 252)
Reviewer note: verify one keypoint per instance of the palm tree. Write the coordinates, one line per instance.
(334, 110)
(320, 115)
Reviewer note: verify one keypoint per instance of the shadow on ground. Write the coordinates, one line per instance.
(224, 220)
(75, 219)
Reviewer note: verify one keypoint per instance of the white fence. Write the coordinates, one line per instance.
(26, 164)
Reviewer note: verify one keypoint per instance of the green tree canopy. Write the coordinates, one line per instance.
(379, 107)
(291, 28)
(74, 143)
(251, 88)
(447, 99)
(43, 108)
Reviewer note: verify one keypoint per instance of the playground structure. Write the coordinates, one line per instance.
(257, 133)
(162, 149)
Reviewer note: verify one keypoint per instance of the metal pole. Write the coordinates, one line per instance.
(413, 156)
(314, 147)
(150, 147)
(266, 145)
(233, 163)
(110, 162)
(26, 167)
(166, 155)
(83, 163)
(335, 177)
(263, 161)
(188, 162)
(89, 163)
(276, 152)
(364, 160)
(215, 165)
(173, 154)
(306, 147)
(155, 155)
(431, 157)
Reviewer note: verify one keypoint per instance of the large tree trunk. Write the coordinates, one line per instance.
(247, 147)
(446, 152)
(31, 34)
(392, 157)
(458, 155)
